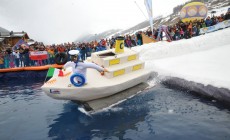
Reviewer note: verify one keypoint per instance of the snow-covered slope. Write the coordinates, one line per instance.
(204, 59)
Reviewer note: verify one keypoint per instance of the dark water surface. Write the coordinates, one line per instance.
(26, 113)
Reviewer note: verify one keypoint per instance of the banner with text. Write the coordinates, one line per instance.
(216, 27)
(38, 55)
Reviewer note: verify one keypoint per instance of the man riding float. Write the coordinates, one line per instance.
(80, 67)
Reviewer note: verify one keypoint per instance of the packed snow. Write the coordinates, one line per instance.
(204, 59)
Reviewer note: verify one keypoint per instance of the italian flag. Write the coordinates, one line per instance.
(52, 72)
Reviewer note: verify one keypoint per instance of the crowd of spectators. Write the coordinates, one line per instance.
(190, 29)
(11, 57)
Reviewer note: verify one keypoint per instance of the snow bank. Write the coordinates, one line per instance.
(204, 59)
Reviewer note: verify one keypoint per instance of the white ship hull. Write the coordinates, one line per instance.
(125, 71)
(97, 86)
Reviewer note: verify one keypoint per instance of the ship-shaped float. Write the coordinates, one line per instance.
(126, 71)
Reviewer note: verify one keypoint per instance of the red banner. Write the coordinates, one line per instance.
(38, 55)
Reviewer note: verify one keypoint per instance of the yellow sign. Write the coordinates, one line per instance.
(137, 67)
(114, 62)
(132, 57)
(119, 47)
(119, 72)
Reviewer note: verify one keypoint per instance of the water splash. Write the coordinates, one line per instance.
(81, 109)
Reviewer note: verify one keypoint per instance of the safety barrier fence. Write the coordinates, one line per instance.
(218, 26)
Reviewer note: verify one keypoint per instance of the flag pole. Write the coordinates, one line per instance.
(141, 10)
(46, 75)
(148, 5)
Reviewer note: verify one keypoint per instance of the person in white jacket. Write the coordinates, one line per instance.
(81, 67)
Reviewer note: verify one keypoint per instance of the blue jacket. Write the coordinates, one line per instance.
(208, 22)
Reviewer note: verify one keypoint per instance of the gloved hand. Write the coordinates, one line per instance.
(103, 72)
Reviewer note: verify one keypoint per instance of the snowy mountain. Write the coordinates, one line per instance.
(92, 37)
(3, 31)
(168, 20)
(213, 5)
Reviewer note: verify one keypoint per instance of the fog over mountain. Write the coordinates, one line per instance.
(58, 21)
(170, 19)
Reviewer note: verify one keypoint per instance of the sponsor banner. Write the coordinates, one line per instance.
(226, 23)
(38, 55)
(216, 27)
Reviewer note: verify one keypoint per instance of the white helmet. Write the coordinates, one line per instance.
(74, 52)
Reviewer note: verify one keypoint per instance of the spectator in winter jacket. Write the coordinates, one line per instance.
(133, 40)
(172, 34)
(221, 18)
(227, 16)
(190, 28)
(83, 51)
(181, 33)
(139, 38)
(208, 22)
(103, 42)
(1, 61)
(183, 26)
(214, 21)
(128, 41)
(194, 30)
(16, 54)
(177, 34)
(112, 41)
(203, 24)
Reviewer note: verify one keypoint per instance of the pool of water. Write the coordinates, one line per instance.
(157, 113)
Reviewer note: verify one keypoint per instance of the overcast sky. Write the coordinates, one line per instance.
(59, 21)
